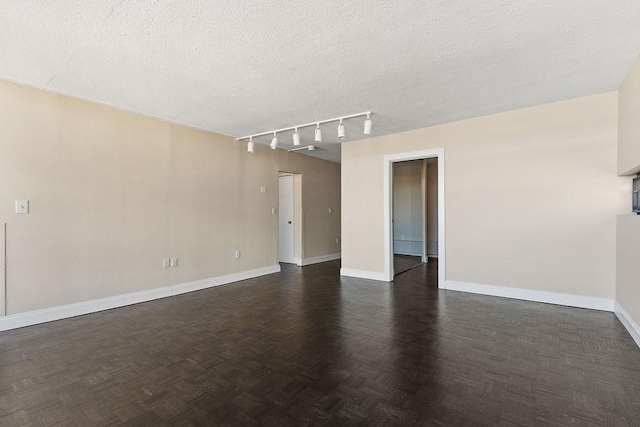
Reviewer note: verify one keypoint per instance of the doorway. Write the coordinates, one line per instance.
(408, 215)
(290, 218)
(415, 213)
(421, 245)
(3, 269)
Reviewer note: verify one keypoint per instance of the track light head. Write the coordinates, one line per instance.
(367, 125)
(274, 142)
(296, 137)
(318, 133)
(250, 146)
(340, 130)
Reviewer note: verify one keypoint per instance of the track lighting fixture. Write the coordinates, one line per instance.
(367, 125)
(296, 137)
(307, 148)
(317, 135)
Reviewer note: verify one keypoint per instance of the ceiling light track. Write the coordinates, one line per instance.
(307, 148)
(318, 132)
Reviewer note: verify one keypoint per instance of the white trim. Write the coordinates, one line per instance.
(627, 322)
(223, 280)
(363, 274)
(387, 164)
(71, 310)
(531, 295)
(3, 269)
(423, 208)
(319, 259)
(419, 255)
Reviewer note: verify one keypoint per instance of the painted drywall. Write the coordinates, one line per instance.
(531, 197)
(113, 193)
(432, 209)
(629, 123)
(407, 208)
(628, 265)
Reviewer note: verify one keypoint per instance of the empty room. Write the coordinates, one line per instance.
(342, 213)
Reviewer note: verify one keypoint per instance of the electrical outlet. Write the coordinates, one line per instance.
(237, 254)
(337, 240)
(273, 211)
(166, 263)
(22, 206)
(401, 237)
(174, 262)
(263, 190)
(330, 210)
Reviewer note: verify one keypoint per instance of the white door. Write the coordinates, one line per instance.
(286, 219)
(3, 269)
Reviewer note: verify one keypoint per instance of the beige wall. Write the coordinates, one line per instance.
(531, 197)
(629, 107)
(113, 193)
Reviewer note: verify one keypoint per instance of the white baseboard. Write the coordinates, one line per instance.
(319, 259)
(407, 253)
(628, 322)
(530, 295)
(65, 311)
(363, 274)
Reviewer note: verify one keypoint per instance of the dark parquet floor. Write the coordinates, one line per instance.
(402, 263)
(306, 347)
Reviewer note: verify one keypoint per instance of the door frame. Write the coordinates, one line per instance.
(298, 240)
(423, 201)
(388, 161)
(3, 269)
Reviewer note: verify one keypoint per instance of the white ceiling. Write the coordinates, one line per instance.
(239, 67)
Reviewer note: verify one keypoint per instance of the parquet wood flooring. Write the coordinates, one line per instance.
(403, 263)
(306, 347)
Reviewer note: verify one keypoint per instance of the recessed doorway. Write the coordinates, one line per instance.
(290, 218)
(419, 244)
(415, 213)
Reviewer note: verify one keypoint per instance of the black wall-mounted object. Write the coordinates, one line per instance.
(636, 194)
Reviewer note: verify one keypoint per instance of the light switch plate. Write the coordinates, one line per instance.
(22, 206)
(166, 263)
(174, 262)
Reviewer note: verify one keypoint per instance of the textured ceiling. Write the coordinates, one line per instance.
(239, 67)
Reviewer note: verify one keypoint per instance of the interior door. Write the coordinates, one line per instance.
(3, 269)
(286, 219)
